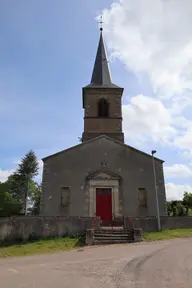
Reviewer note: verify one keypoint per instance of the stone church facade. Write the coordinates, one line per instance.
(102, 176)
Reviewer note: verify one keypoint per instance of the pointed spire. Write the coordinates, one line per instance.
(101, 77)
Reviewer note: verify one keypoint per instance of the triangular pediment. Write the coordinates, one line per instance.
(98, 139)
(104, 175)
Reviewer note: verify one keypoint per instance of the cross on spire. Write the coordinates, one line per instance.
(101, 23)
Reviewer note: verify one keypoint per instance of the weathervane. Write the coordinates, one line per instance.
(101, 23)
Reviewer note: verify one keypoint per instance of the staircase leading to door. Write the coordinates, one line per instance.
(119, 230)
(112, 235)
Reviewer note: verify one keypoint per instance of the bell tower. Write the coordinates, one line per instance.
(102, 101)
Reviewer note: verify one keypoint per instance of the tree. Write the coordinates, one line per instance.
(172, 208)
(20, 187)
(181, 211)
(176, 208)
(16, 184)
(35, 194)
(8, 205)
(187, 201)
(3, 186)
(27, 170)
(169, 209)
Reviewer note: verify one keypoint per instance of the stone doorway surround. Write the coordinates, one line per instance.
(103, 179)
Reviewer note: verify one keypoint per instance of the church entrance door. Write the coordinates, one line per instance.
(104, 203)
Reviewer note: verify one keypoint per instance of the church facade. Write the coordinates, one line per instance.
(102, 176)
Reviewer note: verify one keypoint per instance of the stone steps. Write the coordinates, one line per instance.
(113, 235)
(113, 239)
(107, 235)
(111, 231)
(112, 223)
(103, 228)
(106, 241)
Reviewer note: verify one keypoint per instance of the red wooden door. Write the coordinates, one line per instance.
(104, 203)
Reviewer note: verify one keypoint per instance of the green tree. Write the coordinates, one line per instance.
(175, 210)
(27, 170)
(8, 205)
(16, 184)
(169, 209)
(181, 210)
(35, 194)
(187, 201)
(3, 186)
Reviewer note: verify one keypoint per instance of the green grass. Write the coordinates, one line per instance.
(167, 234)
(47, 246)
(41, 247)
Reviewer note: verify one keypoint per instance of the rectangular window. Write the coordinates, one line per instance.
(142, 196)
(65, 196)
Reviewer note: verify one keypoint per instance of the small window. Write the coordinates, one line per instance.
(142, 196)
(65, 194)
(103, 108)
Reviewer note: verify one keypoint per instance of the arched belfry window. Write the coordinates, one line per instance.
(103, 108)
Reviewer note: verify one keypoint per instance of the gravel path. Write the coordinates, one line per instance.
(141, 265)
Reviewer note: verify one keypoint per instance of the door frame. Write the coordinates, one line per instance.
(114, 186)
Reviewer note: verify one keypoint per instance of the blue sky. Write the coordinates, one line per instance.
(47, 53)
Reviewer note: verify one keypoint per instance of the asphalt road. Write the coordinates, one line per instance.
(141, 265)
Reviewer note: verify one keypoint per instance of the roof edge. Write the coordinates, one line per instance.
(132, 148)
(73, 147)
(91, 86)
(102, 136)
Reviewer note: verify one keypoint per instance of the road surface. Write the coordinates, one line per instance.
(140, 265)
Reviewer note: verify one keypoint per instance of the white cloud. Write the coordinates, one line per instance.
(146, 118)
(4, 174)
(178, 171)
(175, 192)
(39, 176)
(153, 37)
(185, 140)
(187, 154)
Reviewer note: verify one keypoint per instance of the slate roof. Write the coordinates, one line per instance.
(101, 77)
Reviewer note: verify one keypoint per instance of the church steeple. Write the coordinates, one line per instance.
(102, 101)
(101, 73)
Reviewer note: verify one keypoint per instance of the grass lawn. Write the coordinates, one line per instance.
(167, 234)
(41, 247)
(64, 244)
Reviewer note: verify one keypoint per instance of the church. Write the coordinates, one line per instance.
(102, 176)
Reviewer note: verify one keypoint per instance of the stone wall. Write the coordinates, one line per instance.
(16, 229)
(149, 224)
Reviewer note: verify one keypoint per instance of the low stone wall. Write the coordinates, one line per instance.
(149, 224)
(28, 228)
(16, 229)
